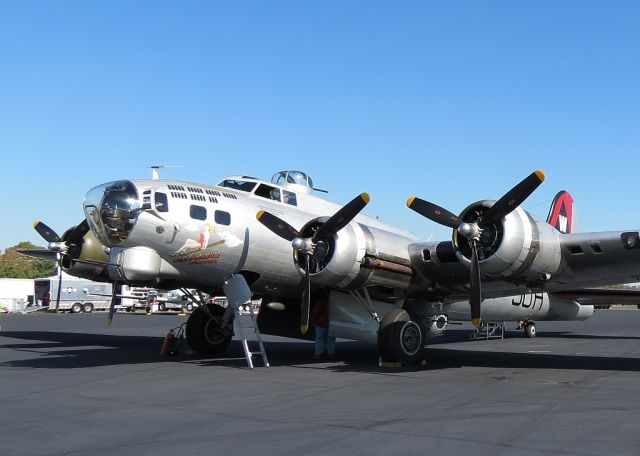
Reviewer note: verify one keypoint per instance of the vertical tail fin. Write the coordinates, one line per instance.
(561, 214)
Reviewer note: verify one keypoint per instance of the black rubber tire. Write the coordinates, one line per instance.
(400, 339)
(530, 330)
(87, 307)
(76, 307)
(204, 334)
(189, 307)
(162, 307)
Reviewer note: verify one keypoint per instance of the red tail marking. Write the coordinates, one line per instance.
(561, 212)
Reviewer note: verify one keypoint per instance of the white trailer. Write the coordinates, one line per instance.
(76, 295)
(15, 294)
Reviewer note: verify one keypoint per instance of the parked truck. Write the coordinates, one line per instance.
(152, 300)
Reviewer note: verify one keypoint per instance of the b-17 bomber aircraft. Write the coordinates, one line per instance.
(384, 285)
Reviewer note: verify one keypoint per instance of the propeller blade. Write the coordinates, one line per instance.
(47, 233)
(59, 280)
(40, 254)
(306, 297)
(114, 297)
(342, 218)
(476, 287)
(277, 225)
(75, 234)
(433, 212)
(514, 197)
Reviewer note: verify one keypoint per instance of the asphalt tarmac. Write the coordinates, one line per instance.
(70, 385)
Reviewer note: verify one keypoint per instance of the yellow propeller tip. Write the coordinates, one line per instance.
(35, 222)
(540, 174)
(304, 329)
(476, 321)
(365, 197)
(259, 214)
(410, 201)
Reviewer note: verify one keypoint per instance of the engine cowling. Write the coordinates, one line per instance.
(356, 255)
(86, 248)
(517, 247)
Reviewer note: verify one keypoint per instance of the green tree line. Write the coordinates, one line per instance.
(17, 266)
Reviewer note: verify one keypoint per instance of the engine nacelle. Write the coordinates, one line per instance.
(84, 246)
(518, 247)
(359, 254)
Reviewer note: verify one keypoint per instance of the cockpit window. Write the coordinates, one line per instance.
(289, 198)
(241, 185)
(267, 191)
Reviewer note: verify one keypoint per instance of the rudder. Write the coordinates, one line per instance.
(561, 214)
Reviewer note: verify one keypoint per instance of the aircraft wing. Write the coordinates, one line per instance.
(40, 254)
(594, 259)
(506, 250)
(576, 262)
(602, 296)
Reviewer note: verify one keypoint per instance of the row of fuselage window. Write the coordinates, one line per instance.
(196, 212)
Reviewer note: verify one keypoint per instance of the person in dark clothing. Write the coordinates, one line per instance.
(320, 317)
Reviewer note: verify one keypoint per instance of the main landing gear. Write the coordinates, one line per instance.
(401, 338)
(208, 331)
(529, 328)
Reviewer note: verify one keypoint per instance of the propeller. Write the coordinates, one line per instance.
(306, 296)
(473, 230)
(114, 299)
(312, 246)
(58, 248)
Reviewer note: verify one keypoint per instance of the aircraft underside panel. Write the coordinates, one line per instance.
(350, 320)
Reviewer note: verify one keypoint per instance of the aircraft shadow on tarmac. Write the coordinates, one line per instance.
(569, 335)
(59, 350)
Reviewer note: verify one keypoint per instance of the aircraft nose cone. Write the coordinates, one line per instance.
(112, 210)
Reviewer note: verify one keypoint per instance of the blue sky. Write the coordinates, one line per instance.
(450, 101)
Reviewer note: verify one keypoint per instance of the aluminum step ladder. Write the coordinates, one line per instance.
(488, 330)
(246, 321)
(238, 294)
